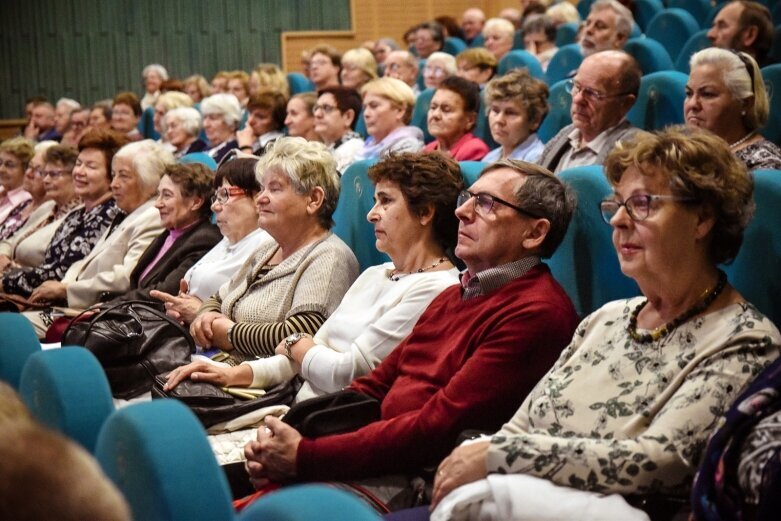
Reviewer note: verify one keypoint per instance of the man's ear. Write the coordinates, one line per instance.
(536, 234)
(748, 36)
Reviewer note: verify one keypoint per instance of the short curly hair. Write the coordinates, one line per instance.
(193, 180)
(697, 165)
(518, 85)
(21, 148)
(426, 178)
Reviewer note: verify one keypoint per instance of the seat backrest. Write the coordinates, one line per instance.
(772, 78)
(775, 49)
(66, 389)
(566, 34)
(558, 116)
(672, 28)
(564, 63)
(453, 45)
(158, 455)
(645, 10)
(660, 101)
(755, 271)
(518, 59)
(420, 113)
(307, 502)
(697, 42)
(775, 12)
(299, 83)
(699, 9)
(360, 125)
(356, 198)
(650, 55)
(585, 263)
(146, 124)
(470, 170)
(482, 128)
(584, 8)
(17, 343)
(478, 41)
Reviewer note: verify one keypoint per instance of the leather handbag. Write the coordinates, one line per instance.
(212, 405)
(335, 413)
(134, 342)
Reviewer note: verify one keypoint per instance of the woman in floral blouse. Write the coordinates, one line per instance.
(629, 406)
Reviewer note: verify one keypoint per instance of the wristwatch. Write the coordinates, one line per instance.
(291, 341)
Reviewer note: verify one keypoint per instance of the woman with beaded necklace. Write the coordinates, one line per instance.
(629, 405)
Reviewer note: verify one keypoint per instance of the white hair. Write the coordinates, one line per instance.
(500, 24)
(448, 61)
(155, 67)
(226, 105)
(149, 159)
(624, 18)
(72, 104)
(189, 117)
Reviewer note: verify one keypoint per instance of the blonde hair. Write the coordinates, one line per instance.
(500, 24)
(478, 57)
(563, 12)
(200, 83)
(174, 99)
(363, 59)
(271, 77)
(394, 90)
(447, 61)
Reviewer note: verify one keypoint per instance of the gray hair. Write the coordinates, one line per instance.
(155, 67)
(624, 18)
(448, 61)
(500, 24)
(226, 105)
(72, 104)
(734, 67)
(308, 164)
(189, 117)
(149, 160)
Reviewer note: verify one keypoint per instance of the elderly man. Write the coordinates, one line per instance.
(473, 355)
(744, 26)
(41, 124)
(62, 114)
(429, 38)
(403, 66)
(324, 66)
(603, 90)
(472, 22)
(607, 27)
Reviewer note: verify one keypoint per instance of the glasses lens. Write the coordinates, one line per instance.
(638, 207)
(569, 86)
(462, 198)
(483, 203)
(608, 209)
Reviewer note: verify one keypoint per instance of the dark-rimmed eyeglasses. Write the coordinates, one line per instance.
(327, 109)
(223, 194)
(638, 207)
(484, 203)
(54, 174)
(573, 88)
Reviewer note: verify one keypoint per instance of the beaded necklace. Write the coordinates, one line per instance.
(394, 276)
(707, 299)
(742, 140)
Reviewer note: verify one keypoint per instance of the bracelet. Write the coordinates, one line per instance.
(245, 146)
(229, 334)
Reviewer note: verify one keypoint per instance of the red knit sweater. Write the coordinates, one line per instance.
(466, 365)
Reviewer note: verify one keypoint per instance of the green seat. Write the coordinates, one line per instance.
(17, 342)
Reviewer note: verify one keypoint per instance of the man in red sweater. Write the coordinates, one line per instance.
(473, 355)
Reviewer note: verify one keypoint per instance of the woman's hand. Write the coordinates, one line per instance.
(201, 328)
(219, 375)
(464, 465)
(182, 307)
(273, 455)
(49, 291)
(245, 137)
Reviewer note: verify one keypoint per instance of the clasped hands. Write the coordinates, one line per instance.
(272, 457)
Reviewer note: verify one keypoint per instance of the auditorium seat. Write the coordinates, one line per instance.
(146, 124)
(672, 28)
(420, 113)
(470, 170)
(566, 34)
(660, 101)
(650, 55)
(518, 59)
(772, 77)
(307, 502)
(67, 390)
(17, 343)
(558, 116)
(299, 83)
(482, 128)
(699, 9)
(564, 63)
(453, 45)
(645, 10)
(697, 42)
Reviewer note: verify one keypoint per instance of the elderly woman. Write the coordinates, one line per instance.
(268, 77)
(325, 63)
(221, 116)
(295, 281)
(266, 121)
(726, 95)
(415, 225)
(137, 169)
(358, 68)
(52, 166)
(517, 104)
(476, 64)
(387, 111)
(451, 118)
(629, 405)
(100, 115)
(32, 183)
(238, 85)
(15, 155)
(182, 128)
(197, 88)
(165, 102)
(300, 119)
(233, 205)
(498, 35)
(183, 197)
(82, 227)
(153, 76)
(336, 114)
(125, 113)
(439, 66)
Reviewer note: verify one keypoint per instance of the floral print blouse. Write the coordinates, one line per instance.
(15, 220)
(72, 241)
(617, 416)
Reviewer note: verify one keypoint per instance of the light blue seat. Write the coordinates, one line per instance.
(772, 78)
(356, 198)
(672, 28)
(146, 124)
(421, 79)
(660, 101)
(200, 157)
(66, 389)
(697, 42)
(482, 128)
(564, 63)
(470, 171)
(584, 7)
(158, 456)
(755, 271)
(453, 45)
(518, 40)
(558, 116)
(478, 41)
(585, 263)
(299, 83)
(308, 502)
(650, 55)
(699, 9)
(566, 34)
(17, 343)
(420, 113)
(518, 59)
(360, 125)
(645, 10)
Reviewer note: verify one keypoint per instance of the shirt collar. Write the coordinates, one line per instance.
(489, 280)
(596, 144)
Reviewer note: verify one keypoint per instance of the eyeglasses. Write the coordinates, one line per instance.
(484, 203)
(54, 174)
(572, 87)
(394, 67)
(10, 164)
(638, 206)
(223, 194)
(327, 109)
(434, 71)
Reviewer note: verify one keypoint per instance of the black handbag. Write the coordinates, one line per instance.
(134, 342)
(335, 413)
(212, 405)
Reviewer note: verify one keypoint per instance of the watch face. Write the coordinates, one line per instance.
(292, 339)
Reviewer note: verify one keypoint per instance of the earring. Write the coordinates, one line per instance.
(743, 113)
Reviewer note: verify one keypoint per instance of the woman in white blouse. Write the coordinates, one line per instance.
(415, 225)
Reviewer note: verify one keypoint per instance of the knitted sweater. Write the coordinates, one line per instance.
(467, 364)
